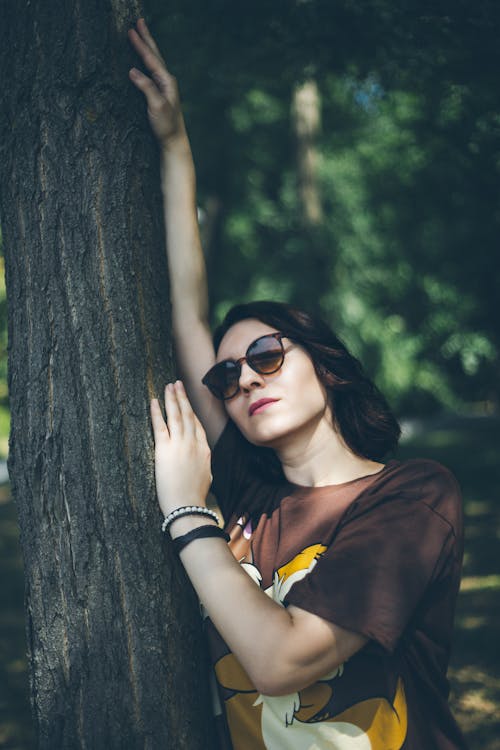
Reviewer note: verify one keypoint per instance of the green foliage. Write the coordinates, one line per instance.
(405, 263)
(403, 219)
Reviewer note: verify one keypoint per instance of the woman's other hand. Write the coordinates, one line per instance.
(182, 454)
(161, 91)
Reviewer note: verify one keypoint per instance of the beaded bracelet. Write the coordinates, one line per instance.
(188, 510)
(202, 532)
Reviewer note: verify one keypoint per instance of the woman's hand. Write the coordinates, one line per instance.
(161, 92)
(182, 455)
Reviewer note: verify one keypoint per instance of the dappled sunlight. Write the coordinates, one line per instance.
(480, 583)
(476, 697)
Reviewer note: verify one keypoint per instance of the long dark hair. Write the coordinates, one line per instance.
(361, 412)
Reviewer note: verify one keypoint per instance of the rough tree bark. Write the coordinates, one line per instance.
(113, 631)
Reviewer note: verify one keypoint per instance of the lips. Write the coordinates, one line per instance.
(259, 403)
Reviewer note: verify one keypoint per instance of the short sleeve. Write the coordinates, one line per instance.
(374, 575)
(231, 469)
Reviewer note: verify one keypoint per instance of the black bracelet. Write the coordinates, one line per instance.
(202, 532)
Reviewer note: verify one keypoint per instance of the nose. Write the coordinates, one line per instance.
(249, 378)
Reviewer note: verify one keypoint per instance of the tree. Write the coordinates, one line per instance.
(113, 634)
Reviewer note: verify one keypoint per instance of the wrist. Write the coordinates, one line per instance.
(202, 532)
(187, 523)
(176, 145)
(198, 511)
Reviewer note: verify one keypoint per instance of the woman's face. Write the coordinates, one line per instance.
(300, 398)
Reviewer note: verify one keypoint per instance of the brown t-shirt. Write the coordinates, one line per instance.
(380, 555)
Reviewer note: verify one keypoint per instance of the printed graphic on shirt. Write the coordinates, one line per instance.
(334, 713)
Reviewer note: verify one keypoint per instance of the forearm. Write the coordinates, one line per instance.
(187, 272)
(185, 257)
(251, 623)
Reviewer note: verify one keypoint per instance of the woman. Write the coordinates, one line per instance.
(330, 610)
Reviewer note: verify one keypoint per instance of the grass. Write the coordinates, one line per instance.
(469, 447)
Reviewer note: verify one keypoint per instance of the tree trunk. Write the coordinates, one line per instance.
(314, 277)
(113, 629)
(306, 116)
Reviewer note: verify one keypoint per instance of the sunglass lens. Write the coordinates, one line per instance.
(223, 379)
(266, 355)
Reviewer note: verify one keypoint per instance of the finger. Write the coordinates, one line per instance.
(173, 412)
(160, 428)
(186, 409)
(146, 35)
(199, 429)
(148, 88)
(151, 60)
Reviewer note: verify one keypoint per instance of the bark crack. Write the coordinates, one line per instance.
(50, 367)
(130, 642)
(86, 398)
(121, 401)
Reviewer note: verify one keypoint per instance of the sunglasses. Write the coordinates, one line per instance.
(265, 355)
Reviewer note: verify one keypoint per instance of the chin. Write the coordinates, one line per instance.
(262, 440)
(266, 436)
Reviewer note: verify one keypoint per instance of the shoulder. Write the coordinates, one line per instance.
(419, 472)
(420, 477)
(423, 487)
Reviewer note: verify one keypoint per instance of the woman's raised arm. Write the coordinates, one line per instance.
(187, 272)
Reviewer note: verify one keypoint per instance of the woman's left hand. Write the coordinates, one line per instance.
(182, 454)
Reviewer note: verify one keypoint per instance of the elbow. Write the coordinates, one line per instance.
(276, 688)
(276, 685)
(269, 677)
(287, 679)
(282, 674)
(269, 686)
